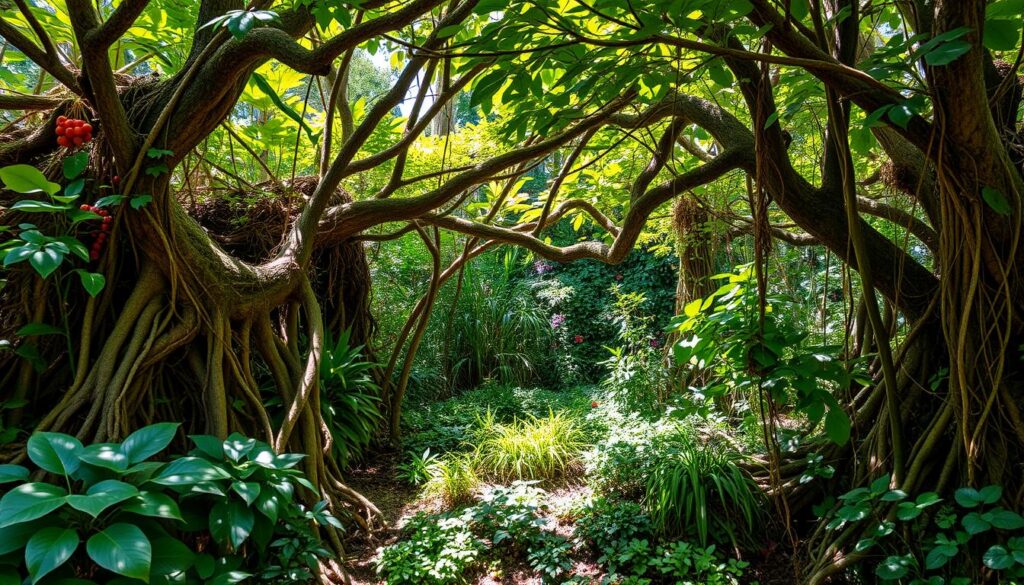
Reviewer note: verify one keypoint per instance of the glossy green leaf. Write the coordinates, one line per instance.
(48, 549)
(122, 549)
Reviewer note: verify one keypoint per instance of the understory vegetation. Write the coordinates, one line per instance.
(628, 292)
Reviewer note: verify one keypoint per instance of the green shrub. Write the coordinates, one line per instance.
(700, 490)
(621, 536)
(621, 461)
(440, 550)
(453, 478)
(505, 523)
(224, 513)
(349, 399)
(531, 448)
(609, 529)
(416, 469)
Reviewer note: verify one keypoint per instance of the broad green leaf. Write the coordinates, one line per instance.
(837, 426)
(105, 455)
(122, 549)
(26, 179)
(231, 522)
(188, 471)
(32, 206)
(171, 558)
(30, 501)
(996, 200)
(48, 549)
(75, 165)
(1002, 34)
(946, 53)
(55, 452)
(101, 496)
(10, 473)
(92, 282)
(153, 504)
(148, 441)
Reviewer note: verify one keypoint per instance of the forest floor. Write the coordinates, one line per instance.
(448, 425)
(398, 502)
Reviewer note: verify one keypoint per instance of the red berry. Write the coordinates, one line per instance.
(63, 141)
(103, 212)
(105, 227)
(87, 127)
(116, 179)
(593, 404)
(62, 119)
(107, 219)
(77, 140)
(94, 256)
(60, 131)
(88, 137)
(84, 207)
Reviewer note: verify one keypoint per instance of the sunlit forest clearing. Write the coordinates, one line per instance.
(529, 291)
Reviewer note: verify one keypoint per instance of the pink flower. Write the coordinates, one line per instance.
(618, 276)
(557, 320)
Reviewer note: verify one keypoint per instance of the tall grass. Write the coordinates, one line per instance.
(532, 448)
(697, 489)
(498, 331)
(453, 478)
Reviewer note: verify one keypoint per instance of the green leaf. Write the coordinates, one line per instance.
(71, 191)
(975, 523)
(153, 504)
(998, 558)
(55, 452)
(448, 31)
(30, 501)
(92, 282)
(26, 179)
(32, 206)
(231, 522)
(14, 538)
(996, 200)
(109, 200)
(33, 329)
(209, 445)
(158, 152)
(75, 165)
(946, 53)
(9, 473)
(893, 567)
(122, 549)
(236, 446)
(1005, 519)
(148, 441)
(837, 426)
(102, 496)
(48, 549)
(189, 471)
(968, 497)
(171, 559)
(264, 86)
(140, 201)
(1002, 34)
(105, 455)
(46, 261)
(248, 490)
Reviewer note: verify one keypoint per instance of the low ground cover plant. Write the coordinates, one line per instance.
(227, 512)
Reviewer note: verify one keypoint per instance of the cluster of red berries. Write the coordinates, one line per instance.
(72, 132)
(99, 236)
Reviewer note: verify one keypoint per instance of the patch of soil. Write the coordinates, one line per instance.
(397, 501)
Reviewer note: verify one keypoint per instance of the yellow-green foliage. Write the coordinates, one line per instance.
(453, 479)
(532, 448)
